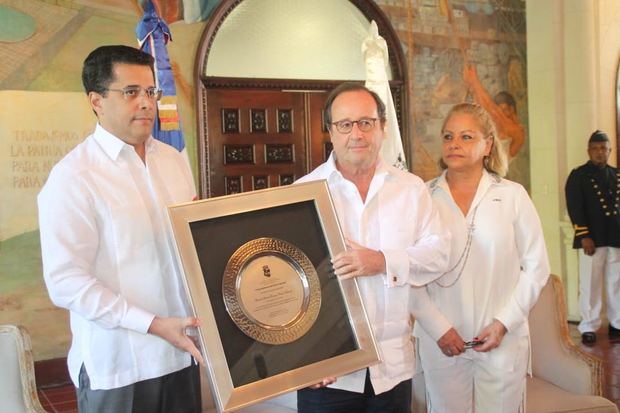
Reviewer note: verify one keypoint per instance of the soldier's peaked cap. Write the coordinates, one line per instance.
(598, 136)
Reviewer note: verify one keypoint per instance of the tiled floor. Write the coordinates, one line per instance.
(59, 399)
(62, 399)
(609, 351)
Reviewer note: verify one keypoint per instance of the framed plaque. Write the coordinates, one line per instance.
(275, 318)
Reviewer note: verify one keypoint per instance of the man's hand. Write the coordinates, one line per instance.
(172, 329)
(324, 383)
(492, 335)
(588, 246)
(451, 343)
(358, 261)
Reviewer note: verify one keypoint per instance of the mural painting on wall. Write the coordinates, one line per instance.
(43, 114)
(457, 50)
(464, 50)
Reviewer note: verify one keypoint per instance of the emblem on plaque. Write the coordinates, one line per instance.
(271, 291)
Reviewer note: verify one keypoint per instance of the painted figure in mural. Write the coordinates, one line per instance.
(107, 252)
(394, 240)
(503, 110)
(592, 200)
(471, 324)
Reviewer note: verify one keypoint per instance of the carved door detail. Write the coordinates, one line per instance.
(320, 143)
(262, 138)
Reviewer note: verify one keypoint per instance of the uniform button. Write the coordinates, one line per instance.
(394, 279)
(602, 199)
(607, 214)
(598, 193)
(604, 206)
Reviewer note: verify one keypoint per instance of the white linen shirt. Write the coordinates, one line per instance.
(506, 269)
(108, 255)
(399, 220)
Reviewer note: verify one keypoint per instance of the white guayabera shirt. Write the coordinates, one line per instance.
(108, 255)
(398, 219)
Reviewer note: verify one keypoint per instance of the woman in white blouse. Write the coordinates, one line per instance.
(471, 324)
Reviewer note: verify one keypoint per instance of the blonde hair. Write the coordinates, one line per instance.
(496, 162)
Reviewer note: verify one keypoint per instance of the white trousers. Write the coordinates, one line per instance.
(474, 386)
(602, 267)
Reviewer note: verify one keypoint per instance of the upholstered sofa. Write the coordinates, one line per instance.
(565, 378)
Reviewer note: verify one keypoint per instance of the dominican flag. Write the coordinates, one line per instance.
(191, 11)
(153, 35)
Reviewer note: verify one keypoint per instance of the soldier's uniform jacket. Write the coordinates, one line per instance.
(593, 199)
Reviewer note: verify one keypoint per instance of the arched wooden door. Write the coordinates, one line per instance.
(260, 138)
(255, 133)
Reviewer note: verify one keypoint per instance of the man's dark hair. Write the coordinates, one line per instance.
(98, 70)
(507, 98)
(350, 87)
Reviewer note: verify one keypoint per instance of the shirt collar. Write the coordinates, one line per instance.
(113, 146)
(440, 182)
(382, 169)
(486, 181)
(595, 167)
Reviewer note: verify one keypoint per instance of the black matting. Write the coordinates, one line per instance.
(216, 239)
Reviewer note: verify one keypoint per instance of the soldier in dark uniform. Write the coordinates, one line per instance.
(593, 199)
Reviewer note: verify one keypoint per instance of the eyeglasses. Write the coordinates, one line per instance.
(364, 124)
(132, 92)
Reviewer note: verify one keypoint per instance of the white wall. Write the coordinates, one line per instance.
(573, 48)
(262, 39)
(609, 53)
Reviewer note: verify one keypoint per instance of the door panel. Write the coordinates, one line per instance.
(257, 139)
(320, 143)
(263, 138)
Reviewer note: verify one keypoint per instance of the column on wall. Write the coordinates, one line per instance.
(609, 55)
(545, 63)
(563, 84)
(582, 106)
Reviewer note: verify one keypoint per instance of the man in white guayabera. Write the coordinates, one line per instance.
(394, 240)
(108, 254)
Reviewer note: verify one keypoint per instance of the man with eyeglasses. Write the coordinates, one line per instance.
(394, 241)
(108, 254)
